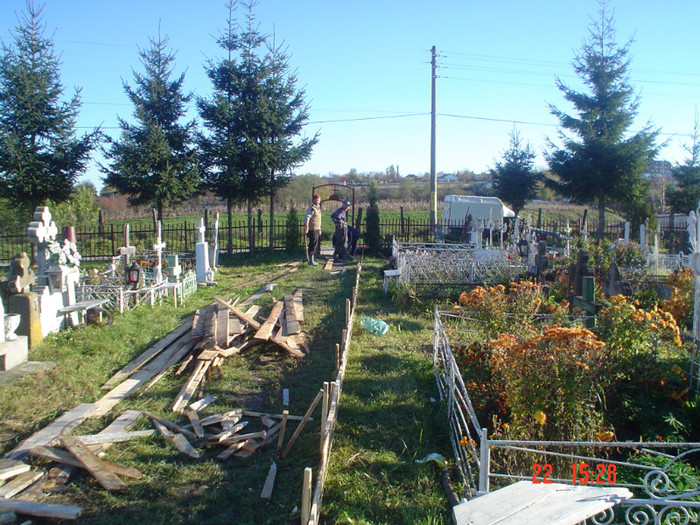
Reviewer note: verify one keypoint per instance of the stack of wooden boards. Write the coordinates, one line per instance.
(203, 341)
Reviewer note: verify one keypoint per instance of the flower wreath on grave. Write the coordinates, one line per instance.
(65, 254)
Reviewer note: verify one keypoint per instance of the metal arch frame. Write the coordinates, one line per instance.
(334, 196)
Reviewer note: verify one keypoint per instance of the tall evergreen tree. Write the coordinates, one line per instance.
(513, 177)
(40, 155)
(599, 161)
(154, 161)
(685, 196)
(252, 119)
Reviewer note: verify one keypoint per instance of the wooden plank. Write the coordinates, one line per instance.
(60, 456)
(178, 440)
(65, 423)
(41, 510)
(223, 330)
(268, 422)
(114, 437)
(191, 343)
(170, 425)
(19, 483)
(123, 423)
(283, 427)
(265, 330)
(208, 355)
(190, 387)
(10, 468)
(298, 305)
(196, 425)
(291, 351)
(230, 451)
(233, 416)
(240, 314)
(276, 416)
(93, 464)
(329, 264)
(244, 437)
(266, 493)
(149, 353)
(204, 402)
(302, 423)
(229, 432)
(291, 316)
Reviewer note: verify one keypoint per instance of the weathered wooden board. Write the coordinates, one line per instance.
(149, 354)
(93, 464)
(329, 265)
(114, 437)
(60, 456)
(178, 440)
(223, 328)
(243, 316)
(196, 424)
(188, 390)
(64, 423)
(123, 423)
(42, 510)
(298, 305)
(19, 483)
(10, 468)
(265, 330)
(266, 493)
(291, 316)
(201, 403)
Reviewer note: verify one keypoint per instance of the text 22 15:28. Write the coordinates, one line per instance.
(582, 473)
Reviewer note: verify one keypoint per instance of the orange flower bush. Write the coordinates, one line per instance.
(680, 304)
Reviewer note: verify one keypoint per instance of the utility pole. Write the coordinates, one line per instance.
(433, 174)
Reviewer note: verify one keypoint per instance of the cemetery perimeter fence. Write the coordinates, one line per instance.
(480, 459)
(102, 244)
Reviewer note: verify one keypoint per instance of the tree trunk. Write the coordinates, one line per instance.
(251, 227)
(601, 216)
(229, 233)
(272, 221)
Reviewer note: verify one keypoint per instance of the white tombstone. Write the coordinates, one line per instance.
(159, 246)
(642, 237)
(201, 251)
(627, 232)
(42, 229)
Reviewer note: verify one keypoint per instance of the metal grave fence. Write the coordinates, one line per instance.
(661, 497)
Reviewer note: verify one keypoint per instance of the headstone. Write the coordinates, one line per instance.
(541, 260)
(214, 246)
(20, 276)
(126, 252)
(41, 230)
(615, 285)
(627, 232)
(580, 270)
(27, 306)
(174, 269)
(201, 251)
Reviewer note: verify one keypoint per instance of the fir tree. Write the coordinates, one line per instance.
(154, 162)
(599, 161)
(40, 155)
(514, 180)
(685, 196)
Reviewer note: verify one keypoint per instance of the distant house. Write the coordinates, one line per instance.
(447, 177)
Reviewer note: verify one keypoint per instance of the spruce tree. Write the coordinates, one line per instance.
(599, 161)
(154, 161)
(685, 196)
(514, 180)
(252, 119)
(41, 157)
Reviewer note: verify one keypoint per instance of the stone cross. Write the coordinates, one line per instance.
(201, 251)
(201, 230)
(42, 229)
(159, 246)
(126, 251)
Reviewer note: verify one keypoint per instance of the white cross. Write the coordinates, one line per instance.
(201, 229)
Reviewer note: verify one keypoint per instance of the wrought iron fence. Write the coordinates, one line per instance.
(660, 497)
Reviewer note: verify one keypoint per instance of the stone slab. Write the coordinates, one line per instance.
(25, 369)
(14, 352)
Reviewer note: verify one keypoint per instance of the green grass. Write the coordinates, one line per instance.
(386, 418)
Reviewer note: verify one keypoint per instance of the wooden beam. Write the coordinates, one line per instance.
(291, 316)
(172, 426)
(230, 451)
(302, 423)
(188, 390)
(240, 314)
(114, 437)
(265, 331)
(244, 437)
(196, 424)
(266, 493)
(306, 496)
(283, 427)
(59, 456)
(298, 305)
(93, 464)
(41, 510)
(123, 423)
(178, 440)
(276, 416)
(19, 483)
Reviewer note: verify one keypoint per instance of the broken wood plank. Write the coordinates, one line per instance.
(302, 423)
(178, 440)
(149, 354)
(244, 437)
(240, 314)
(196, 425)
(19, 483)
(283, 427)
(10, 468)
(208, 355)
(271, 433)
(233, 416)
(123, 423)
(201, 403)
(291, 351)
(41, 510)
(93, 464)
(266, 493)
(170, 425)
(230, 451)
(268, 422)
(291, 316)
(184, 365)
(265, 331)
(188, 390)
(65, 423)
(276, 416)
(114, 437)
(226, 434)
(62, 457)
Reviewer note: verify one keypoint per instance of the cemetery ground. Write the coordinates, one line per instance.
(387, 416)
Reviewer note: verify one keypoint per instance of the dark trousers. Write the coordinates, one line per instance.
(314, 241)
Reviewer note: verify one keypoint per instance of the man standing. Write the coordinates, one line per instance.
(340, 219)
(312, 227)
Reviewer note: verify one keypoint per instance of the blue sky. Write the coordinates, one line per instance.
(365, 67)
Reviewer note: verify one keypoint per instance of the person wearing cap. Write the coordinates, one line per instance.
(312, 227)
(340, 219)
